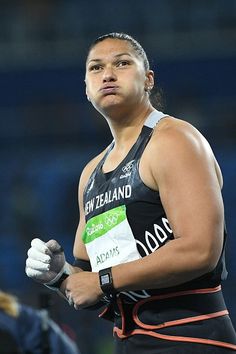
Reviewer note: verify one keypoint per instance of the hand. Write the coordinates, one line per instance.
(45, 262)
(83, 289)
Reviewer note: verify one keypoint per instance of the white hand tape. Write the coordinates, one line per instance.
(35, 254)
(37, 265)
(40, 245)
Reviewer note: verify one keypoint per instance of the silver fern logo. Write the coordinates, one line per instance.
(90, 187)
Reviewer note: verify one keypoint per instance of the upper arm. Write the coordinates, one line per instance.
(185, 174)
(79, 249)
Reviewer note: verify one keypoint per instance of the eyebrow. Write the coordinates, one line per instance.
(116, 56)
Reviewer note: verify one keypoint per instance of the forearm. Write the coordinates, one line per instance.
(171, 265)
(74, 269)
(79, 265)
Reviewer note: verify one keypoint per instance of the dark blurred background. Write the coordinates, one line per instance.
(48, 130)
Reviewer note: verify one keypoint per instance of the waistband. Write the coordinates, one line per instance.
(156, 315)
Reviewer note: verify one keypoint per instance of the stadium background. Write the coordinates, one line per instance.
(48, 130)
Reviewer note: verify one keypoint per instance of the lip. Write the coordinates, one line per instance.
(109, 89)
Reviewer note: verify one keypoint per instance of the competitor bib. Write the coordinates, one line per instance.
(109, 239)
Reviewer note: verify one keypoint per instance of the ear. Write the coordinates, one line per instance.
(86, 91)
(149, 81)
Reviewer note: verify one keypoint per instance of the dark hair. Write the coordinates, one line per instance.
(156, 93)
(125, 37)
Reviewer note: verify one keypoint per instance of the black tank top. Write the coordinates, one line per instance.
(125, 219)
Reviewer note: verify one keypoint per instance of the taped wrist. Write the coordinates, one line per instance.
(55, 284)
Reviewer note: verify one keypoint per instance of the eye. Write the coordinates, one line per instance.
(122, 63)
(95, 67)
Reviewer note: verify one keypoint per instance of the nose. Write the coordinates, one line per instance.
(109, 74)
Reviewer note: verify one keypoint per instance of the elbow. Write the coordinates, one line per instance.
(207, 266)
(209, 251)
(208, 260)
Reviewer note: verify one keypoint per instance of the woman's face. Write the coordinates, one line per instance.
(115, 76)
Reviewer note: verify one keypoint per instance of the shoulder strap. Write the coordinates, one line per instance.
(154, 118)
(147, 130)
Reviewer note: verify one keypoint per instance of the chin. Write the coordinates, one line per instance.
(109, 104)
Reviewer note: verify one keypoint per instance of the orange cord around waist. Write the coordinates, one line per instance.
(148, 329)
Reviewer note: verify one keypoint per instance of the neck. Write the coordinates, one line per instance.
(126, 127)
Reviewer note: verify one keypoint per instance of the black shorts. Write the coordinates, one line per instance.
(145, 344)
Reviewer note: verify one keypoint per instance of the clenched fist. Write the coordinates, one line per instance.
(46, 261)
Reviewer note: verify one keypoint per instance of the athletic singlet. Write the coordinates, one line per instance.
(125, 220)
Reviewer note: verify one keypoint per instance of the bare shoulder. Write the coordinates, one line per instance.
(174, 136)
(174, 142)
(176, 132)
